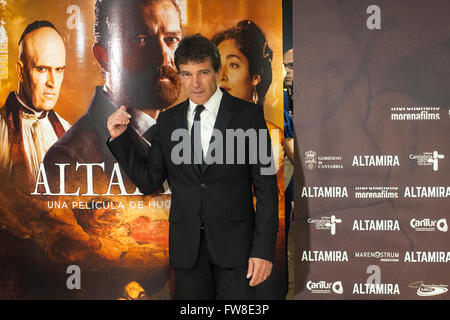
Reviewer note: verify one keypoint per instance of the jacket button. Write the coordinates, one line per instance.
(203, 186)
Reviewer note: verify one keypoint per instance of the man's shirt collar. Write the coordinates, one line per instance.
(212, 105)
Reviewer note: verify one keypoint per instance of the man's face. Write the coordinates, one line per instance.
(150, 35)
(288, 61)
(134, 291)
(41, 70)
(199, 80)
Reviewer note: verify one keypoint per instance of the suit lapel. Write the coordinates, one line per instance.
(180, 119)
(223, 119)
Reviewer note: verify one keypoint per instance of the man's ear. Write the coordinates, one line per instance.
(256, 79)
(101, 55)
(219, 74)
(20, 70)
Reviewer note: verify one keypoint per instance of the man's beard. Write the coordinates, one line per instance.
(167, 87)
(152, 89)
(288, 83)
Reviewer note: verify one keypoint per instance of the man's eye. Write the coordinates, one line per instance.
(141, 41)
(289, 65)
(234, 66)
(171, 40)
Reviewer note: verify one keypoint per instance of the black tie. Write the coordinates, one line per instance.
(196, 138)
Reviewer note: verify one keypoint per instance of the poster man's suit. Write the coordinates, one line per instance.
(84, 143)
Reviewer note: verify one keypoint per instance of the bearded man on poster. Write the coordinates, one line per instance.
(134, 45)
(135, 41)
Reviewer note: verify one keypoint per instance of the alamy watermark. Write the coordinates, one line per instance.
(236, 152)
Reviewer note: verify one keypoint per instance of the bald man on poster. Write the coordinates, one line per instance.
(28, 124)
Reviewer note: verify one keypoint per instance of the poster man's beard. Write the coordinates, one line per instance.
(167, 87)
(155, 88)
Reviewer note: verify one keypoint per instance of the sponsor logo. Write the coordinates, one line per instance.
(324, 256)
(376, 192)
(310, 160)
(428, 159)
(428, 290)
(410, 113)
(325, 287)
(376, 225)
(427, 192)
(427, 256)
(429, 225)
(385, 160)
(326, 223)
(376, 288)
(324, 192)
(382, 256)
(313, 161)
(373, 284)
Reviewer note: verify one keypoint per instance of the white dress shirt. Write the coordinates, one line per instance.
(207, 118)
(38, 136)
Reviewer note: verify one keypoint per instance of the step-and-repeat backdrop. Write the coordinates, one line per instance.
(371, 99)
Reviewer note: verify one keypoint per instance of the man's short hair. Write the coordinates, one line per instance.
(197, 48)
(106, 8)
(37, 25)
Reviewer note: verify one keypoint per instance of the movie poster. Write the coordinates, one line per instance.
(73, 226)
(372, 171)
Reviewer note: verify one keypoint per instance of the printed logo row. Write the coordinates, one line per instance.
(376, 192)
(313, 161)
(331, 224)
(374, 286)
(336, 287)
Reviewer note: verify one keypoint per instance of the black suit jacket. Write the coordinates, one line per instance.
(223, 193)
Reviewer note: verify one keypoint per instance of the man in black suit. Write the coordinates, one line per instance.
(219, 246)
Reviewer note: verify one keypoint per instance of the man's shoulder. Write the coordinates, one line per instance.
(3, 113)
(173, 111)
(63, 121)
(241, 106)
(90, 129)
(81, 140)
(11, 101)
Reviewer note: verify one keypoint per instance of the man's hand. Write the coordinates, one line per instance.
(259, 270)
(118, 122)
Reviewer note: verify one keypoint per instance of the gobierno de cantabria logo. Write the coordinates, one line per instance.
(313, 161)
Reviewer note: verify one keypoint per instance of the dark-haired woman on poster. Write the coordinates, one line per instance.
(246, 73)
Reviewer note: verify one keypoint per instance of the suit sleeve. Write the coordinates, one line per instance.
(147, 171)
(265, 187)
